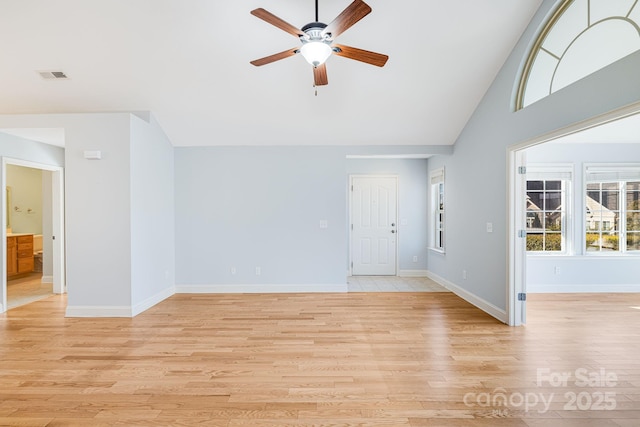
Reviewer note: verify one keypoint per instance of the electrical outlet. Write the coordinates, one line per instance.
(464, 274)
(415, 258)
(258, 271)
(233, 271)
(556, 270)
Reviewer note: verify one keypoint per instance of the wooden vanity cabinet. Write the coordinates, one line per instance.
(19, 255)
(12, 256)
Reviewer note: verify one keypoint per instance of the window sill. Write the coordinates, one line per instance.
(438, 251)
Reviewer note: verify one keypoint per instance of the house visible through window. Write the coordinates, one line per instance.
(547, 189)
(437, 203)
(612, 209)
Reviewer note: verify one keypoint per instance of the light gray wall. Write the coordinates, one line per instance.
(152, 211)
(580, 272)
(98, 211)
(412, 205)
(248, 207)
(476, 175)
(24, 149)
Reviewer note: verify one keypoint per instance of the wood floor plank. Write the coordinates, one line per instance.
(364, 359)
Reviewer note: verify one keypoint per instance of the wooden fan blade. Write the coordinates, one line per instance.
(361, 55)
(275, 57)
(274, 20)
(352, 14)
(320, 75)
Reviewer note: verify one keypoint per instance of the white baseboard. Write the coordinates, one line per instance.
(118, 311)
(473, 299)
(46, 279)
(153, 300)
(577, 288)
(98, 311)
(413, 273)
(253, 289)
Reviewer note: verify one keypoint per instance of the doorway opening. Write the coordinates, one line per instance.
(29, 245)
(598, 129)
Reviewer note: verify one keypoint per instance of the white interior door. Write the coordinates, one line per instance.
(374, 225)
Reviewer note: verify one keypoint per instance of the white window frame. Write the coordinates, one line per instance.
(603, 173)
(438, 210)
(556, 172)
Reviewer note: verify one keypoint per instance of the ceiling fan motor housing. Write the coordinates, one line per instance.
(313, 30)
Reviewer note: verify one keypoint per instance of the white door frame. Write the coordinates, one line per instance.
(516, 248)
(58, 229)
(350, 225)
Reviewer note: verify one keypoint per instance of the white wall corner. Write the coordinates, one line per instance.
(413, 273)
(473, 299)
(260, 288)
(153, 300)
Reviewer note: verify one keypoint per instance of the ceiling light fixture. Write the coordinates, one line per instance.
(316, 45)
(315, 52)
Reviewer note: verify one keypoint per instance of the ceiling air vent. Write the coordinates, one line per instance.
(48, 75)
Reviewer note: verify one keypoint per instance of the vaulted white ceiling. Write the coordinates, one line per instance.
(187, 61)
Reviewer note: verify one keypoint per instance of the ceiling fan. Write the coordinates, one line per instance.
(318, 40)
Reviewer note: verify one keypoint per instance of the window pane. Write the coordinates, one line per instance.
(604, 242)
(553, 242)
(553, 201)
(553, 185)
(553, 221)
(535, 202)
(534, 220)
(633, 200)
(633, 186)
(610, 242)
(633, 221)
(609, 221)
(593, 242)
(535, 242)
(633, 242)
(610, 199)
(594, 195)
(535, 185)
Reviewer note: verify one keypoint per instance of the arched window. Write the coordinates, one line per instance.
(582, 36)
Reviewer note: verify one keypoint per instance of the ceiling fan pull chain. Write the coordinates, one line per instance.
(317, 20)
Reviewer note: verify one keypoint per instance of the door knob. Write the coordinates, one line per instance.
(393, 231)
(393, 224)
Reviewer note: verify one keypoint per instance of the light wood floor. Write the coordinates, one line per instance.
(354, 359)
(27, 289)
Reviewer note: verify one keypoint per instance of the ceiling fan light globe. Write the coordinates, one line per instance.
(316, 52)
